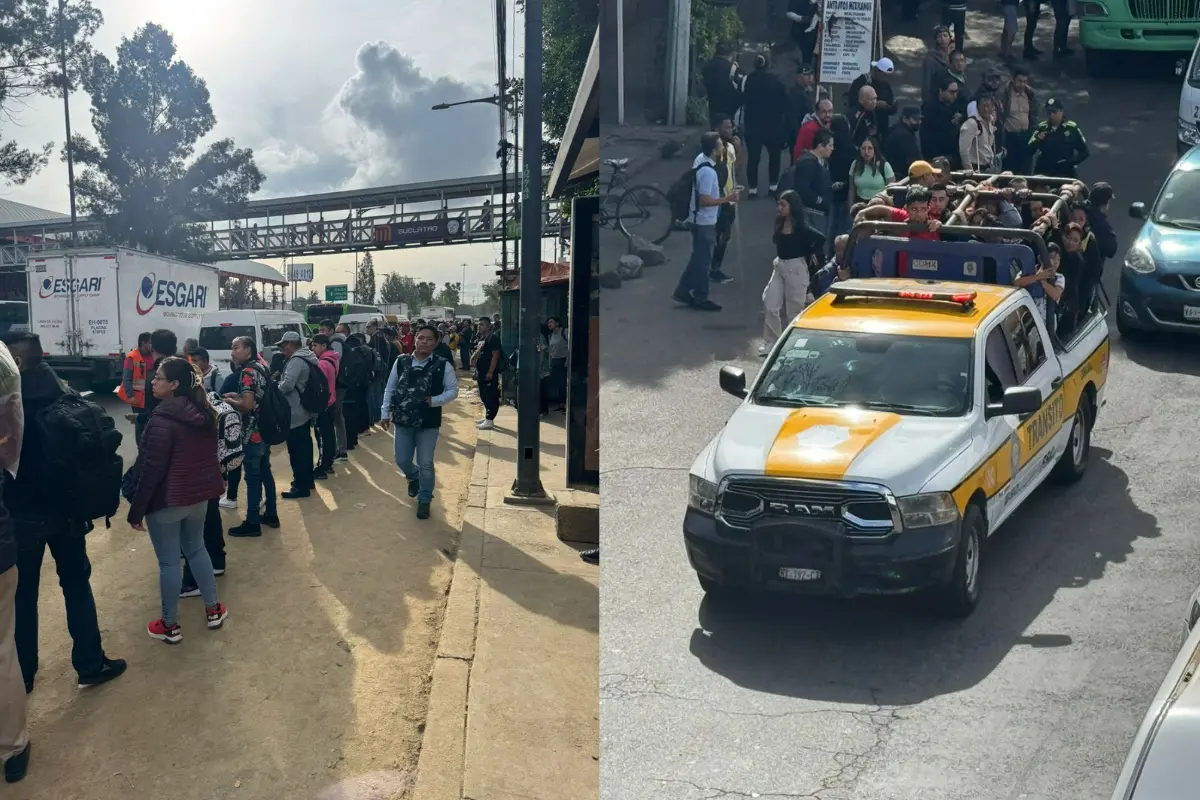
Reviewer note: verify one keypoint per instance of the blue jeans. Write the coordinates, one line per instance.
(256, 466)
(375, 400)
(422, 442)
(175, 530)
(694, 280)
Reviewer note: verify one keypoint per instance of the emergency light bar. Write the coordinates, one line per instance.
(963, 299)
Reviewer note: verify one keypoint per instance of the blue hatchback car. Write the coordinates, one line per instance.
(1160, 282)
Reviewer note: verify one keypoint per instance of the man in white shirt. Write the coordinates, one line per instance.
(707, 200)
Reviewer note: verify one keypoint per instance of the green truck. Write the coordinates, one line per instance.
(1107, 27)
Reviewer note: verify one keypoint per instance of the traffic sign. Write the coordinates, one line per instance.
(300, 272)
(337, 293)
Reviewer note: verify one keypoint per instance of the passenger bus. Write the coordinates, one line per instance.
(335, 311)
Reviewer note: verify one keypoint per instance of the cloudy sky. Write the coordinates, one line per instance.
(329, 96)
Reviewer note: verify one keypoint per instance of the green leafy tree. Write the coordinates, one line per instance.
(425, 293)
(31, 65)
(397, 288)
(450, 295)
(140, 179)
(491, 292)
(301, 303)
(364, 286)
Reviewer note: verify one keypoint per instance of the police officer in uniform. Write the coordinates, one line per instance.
(1057, 145)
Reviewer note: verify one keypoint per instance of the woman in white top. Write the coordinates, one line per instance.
(977, 136)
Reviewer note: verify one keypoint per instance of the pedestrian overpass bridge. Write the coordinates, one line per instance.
(458, 211)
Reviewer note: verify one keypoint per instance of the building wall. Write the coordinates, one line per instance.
(645, 61)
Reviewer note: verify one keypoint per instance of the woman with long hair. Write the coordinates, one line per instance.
(798, 250)
(870, 173)
(177, 473)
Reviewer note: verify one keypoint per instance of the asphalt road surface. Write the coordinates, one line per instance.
(1037, 695)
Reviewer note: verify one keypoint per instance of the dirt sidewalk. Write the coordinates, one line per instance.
(316, 687)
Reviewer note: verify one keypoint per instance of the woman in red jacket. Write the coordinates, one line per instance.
(177, 474)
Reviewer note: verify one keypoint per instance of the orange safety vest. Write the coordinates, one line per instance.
(139, 381)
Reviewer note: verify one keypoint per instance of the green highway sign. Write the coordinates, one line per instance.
(333, 294)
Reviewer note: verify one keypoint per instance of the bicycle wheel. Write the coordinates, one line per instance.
(645, 211)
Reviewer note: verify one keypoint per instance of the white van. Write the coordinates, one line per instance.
(1189, 102)
(358, 322)
(218, 329)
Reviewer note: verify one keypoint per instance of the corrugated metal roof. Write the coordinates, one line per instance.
(11, 211)
(254, 270)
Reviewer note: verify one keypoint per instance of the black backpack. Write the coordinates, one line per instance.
(682, 191)
(353, 371)
(315, 396)
(81, 458)
(274, 412)
(373, 361)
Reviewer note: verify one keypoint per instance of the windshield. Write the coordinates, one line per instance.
(220, 338)
(1179, 203)
(913, 375)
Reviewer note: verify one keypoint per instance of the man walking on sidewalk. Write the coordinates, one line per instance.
(418, 386)
(299, 440)
(139, 365)
(706, 204)
(488, 352)
(38, 522)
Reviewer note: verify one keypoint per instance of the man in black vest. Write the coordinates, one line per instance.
(417, 388)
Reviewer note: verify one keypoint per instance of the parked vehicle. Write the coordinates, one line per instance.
(1160, 282)
(1108, 27)
(437, 314)
(265, 326)
(88, 305)
(1189, 102)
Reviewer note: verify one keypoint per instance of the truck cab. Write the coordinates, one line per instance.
(1134, 26)
(894, 427)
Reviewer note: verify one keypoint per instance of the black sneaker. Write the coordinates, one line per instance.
(342, 457)
(111, 668)
(591, 556)
(422, 510)
(413, 488)
(686, 299)
(15, 767)
(296, 494)
(706, 305)
(270, 520)
(716, 276)
(245, 530)
(189, 591)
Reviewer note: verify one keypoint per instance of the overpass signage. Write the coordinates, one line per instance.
(337, 294)
(430, 230)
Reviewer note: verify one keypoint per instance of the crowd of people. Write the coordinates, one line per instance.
(199, 435)
(879, 160)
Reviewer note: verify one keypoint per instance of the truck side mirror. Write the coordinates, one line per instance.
(733, 381)
(1137, 210)
(1180, 65)
(1017, 400)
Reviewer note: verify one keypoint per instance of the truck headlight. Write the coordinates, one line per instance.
(702, 494)
(926, 510)
(1189, 133)
(1139, 259)
(1092, 9)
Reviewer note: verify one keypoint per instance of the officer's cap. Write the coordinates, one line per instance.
(1054, 104)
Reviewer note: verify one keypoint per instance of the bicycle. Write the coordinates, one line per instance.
(626, 208)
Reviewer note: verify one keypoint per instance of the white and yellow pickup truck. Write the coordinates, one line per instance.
(892, 429)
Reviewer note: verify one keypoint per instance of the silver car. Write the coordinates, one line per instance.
(1161, 763)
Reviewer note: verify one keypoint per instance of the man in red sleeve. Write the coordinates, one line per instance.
(916, 210)
(406, 338)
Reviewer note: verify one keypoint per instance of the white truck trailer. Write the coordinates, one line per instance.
(89, 305)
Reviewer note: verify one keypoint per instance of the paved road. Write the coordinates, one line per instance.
(1035, 696)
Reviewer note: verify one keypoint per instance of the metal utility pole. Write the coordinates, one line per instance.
(66, 87)
(679, 53)
(528, 485)
(504, 204)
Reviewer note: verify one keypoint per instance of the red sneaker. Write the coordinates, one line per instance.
(216, 616)
(159, 630)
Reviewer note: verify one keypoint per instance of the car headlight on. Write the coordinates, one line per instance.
(926, 510)
(1189, 132)
(702, 494)
(1139, 259)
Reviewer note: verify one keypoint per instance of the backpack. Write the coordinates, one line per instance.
(274, 412)
(229, 434)
(353, 371)
(679, 196)
(314, 398)
(81, 458)
(372, 360)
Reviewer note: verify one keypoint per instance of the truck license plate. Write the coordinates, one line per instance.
(797, 574)
(1191, 313)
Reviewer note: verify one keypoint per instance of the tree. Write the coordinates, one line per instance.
(364, 285)
(491, 292)
(425, 292)
(301, 303)
(397, 288)
(149, 110)
(30, 65)
(450, 295)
